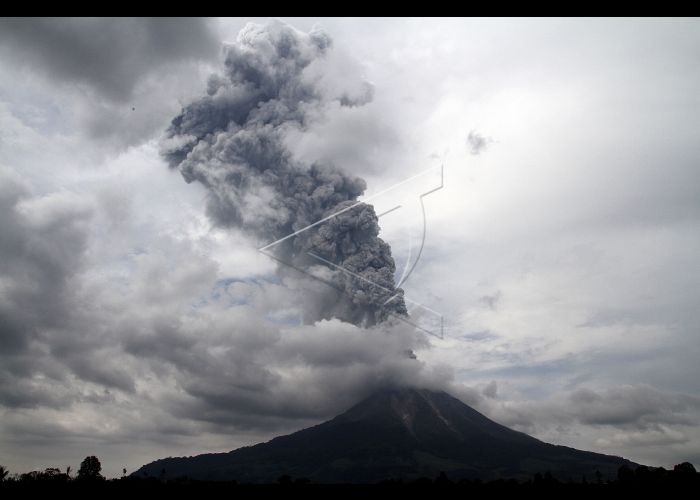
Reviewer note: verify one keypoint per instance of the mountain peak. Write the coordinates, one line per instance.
(428, 416)
(398, 402)
(408, 406)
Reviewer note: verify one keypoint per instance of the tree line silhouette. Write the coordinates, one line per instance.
(90, 474)
(90, 470)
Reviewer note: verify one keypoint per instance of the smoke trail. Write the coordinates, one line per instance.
(232, 142)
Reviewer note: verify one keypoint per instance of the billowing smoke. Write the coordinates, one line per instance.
(232, 141)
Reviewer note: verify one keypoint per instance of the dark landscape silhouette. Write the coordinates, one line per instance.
(395, 434)
(393, 439)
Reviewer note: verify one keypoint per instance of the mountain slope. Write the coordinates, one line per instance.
(404, 433)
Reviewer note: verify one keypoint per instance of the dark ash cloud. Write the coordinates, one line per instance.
(477, 143)
(232, 141)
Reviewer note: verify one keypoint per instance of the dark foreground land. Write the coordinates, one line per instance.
(683, 479)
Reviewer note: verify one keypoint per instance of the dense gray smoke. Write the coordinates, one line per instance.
(232, 142)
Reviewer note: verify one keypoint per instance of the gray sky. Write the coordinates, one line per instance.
(562, 250)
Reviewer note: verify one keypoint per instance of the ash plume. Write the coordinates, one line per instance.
(232, 141)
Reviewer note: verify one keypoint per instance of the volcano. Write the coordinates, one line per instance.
(402, 433)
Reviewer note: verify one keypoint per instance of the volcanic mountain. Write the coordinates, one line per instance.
(403, 433)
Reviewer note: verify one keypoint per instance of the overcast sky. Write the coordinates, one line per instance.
(561, 252)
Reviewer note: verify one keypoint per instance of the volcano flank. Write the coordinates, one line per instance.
(401, 433)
